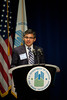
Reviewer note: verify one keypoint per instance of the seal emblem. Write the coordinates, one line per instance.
(38, 78)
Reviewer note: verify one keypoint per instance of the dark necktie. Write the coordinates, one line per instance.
(31, 56)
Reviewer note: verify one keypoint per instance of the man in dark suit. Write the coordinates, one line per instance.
(20, 54)
(21, 57)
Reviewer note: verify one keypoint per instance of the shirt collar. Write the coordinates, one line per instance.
(30, 46)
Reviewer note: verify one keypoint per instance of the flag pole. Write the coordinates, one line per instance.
(8, 29)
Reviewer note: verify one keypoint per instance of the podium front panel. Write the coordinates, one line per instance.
(22, 87)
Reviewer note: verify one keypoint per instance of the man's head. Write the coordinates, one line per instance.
(29, 37)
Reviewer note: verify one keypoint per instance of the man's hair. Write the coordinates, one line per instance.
(30, 31)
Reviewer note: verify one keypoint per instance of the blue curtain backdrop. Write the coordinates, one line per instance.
(49, 20)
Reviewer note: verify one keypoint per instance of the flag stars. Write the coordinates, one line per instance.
(3, 10)
(4, 5)
(1, 20)
(6, 16)
(4, 31)
(3, 35)
(10, 17)
(9, 26)
(5, 21)
(0, 25)
(8, 1)
(5, 0)
(9, 21)
(5, 26)
(2, 15)
(8, 6)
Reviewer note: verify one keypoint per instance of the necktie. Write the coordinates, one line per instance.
(31, 56)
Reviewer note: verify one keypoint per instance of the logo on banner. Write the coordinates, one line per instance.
(38, 78)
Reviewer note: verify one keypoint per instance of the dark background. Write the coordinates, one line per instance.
(49, 20)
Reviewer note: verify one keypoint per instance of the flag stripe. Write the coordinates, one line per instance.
(3, 44)
(4, 48)
(2, 90)
(6, 66)
(4, 74)
(3, 82)
(4, 56)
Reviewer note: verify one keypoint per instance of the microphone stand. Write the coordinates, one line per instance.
(39, 52)
(38, 58)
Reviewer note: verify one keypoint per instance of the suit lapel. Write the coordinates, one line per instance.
(23, 50)
(35, 57)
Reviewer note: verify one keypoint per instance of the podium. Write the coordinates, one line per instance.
(33, 81)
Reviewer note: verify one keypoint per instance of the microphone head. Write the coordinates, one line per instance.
(34, 52)
(40, 51)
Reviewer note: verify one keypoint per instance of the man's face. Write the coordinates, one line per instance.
(29, 39)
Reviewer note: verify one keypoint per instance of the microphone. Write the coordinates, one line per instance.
(40, 51)
(34, 52)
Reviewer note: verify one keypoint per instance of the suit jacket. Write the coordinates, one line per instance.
(16, 61)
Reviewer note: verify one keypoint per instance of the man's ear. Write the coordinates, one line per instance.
(34, 39)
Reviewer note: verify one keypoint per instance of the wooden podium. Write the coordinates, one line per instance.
(32, 82)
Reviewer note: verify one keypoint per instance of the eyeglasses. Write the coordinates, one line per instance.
(29, 37)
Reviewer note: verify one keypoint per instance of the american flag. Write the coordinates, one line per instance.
(6, 43)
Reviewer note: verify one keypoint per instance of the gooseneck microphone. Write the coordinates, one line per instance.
(40, 51)
(37, 53)
(34, 52)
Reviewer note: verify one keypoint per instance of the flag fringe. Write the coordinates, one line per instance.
(4, 94)
(13, 94)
